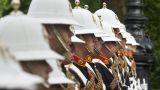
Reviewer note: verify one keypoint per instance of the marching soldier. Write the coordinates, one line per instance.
(102, 57)
(111, 18)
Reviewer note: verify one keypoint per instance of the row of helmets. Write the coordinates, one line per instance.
(23, 37)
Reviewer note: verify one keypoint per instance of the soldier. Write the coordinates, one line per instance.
(131, 45)
(86, 33)
(102, 56)
(83, 77)
(128, 64)
(56, 16)
(16, 5)
(124, 64)
(109, 17)
(110, 44)
(126, 53)
(28, 44)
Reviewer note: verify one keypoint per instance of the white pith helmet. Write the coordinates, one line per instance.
(52, 11)
(125, 34)
(85, 18)
(131, 40)
(109, 31)
(110, 39)
(122, 28)
(109, 16)
(100, 26)
(25, 38)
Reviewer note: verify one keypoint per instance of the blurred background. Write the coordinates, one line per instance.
(152, 28)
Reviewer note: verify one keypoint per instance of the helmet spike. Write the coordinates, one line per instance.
(86, 7)
(104, 5)
(15, 4)
(77, 3)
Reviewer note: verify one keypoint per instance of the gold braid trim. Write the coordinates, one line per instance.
(133, 67)
(70, 86)
(99, 85)
(91, 83)
(114, 67)
(113, 84)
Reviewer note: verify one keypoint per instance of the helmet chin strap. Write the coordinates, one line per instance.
(62, 86)
(61, 40)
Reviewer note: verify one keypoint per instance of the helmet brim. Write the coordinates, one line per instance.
(36, 55)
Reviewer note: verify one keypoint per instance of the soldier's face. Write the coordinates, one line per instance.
(123, 40)
(98, 43)
(90, 41)
(119, 36)
(65, 33)
(40, 68)
(59, 42)
(116, 31)
(134, 48)
(79, 49)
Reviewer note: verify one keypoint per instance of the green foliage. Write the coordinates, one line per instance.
(4, 5)
(25, 5)
(152, 12)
